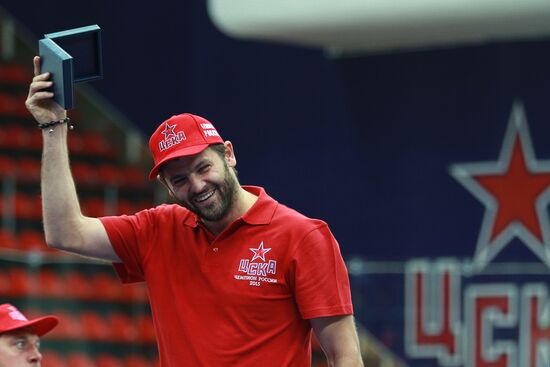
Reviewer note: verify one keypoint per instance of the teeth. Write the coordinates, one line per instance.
(204, 196)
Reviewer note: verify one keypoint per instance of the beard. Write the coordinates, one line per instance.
(217, 210)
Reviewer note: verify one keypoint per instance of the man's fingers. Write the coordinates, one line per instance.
(40, 77)
(36, 63)
(42, 95)
(36, 86)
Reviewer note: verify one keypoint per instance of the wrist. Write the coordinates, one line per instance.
(50, 126)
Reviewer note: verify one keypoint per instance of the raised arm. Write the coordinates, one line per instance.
(64, 225)
(338, 338)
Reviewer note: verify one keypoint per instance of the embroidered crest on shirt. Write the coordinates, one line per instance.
(257, 269)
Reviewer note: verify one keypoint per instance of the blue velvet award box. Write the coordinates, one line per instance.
(71, 56)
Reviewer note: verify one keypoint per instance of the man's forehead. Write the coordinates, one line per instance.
(188, 162)
(26, 332)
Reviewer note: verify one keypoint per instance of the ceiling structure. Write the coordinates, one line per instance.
(373, 26)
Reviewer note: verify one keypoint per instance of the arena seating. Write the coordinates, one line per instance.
(102, 322)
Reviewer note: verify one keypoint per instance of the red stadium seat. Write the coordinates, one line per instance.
(52, 359)
(109, 174)
(7, 239)
(94, 207)
(79, 284)
(32, 240)
(146, 330)
(28, 207)
(136, 361)
(80, 360)
(50, 284)
(14, 74)
(69, 327)
(96, 145)
(28, 170)
(84, 173)
(94, 326)
(22, 283)
(13, 105)
(106, 287)
(16, 136)
(7, 166)
(122, 328)
(107, 360)
(125, 207)
(134, 177)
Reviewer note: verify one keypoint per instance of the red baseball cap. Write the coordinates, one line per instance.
(11, 319)
(180, 136)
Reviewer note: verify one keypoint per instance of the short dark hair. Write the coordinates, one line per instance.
(220, 150)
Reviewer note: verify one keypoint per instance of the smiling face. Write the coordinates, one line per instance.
(204, 183)
(20, 348)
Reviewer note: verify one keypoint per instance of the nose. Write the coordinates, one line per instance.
(196, 184)
(35, 356)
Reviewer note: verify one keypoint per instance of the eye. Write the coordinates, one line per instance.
(179, 180)
(204, 168)
(20, 344)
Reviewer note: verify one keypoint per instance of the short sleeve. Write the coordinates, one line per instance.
(319, 277)
(128, 235)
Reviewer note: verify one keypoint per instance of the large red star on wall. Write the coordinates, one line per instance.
(515, 191)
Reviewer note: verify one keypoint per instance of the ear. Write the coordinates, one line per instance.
(230, 154)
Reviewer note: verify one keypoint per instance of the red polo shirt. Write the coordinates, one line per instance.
(242, 298)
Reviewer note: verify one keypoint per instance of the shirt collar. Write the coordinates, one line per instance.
(260, 213)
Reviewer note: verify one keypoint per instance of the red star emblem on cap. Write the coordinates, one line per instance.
(169, 131)
(259, 252)
(515, 191)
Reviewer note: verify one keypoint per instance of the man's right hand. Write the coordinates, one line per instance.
(40, 103)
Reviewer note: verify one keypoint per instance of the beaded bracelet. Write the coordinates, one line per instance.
(46, 125)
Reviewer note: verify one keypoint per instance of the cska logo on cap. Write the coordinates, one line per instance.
(171, 138)
(16, 315)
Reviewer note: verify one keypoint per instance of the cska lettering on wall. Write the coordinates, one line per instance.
(434, 327)
(452, 317)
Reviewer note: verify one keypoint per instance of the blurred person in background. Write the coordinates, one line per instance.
(20, 337)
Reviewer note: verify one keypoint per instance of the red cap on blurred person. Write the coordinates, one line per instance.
(180, 136)
(11, 319)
